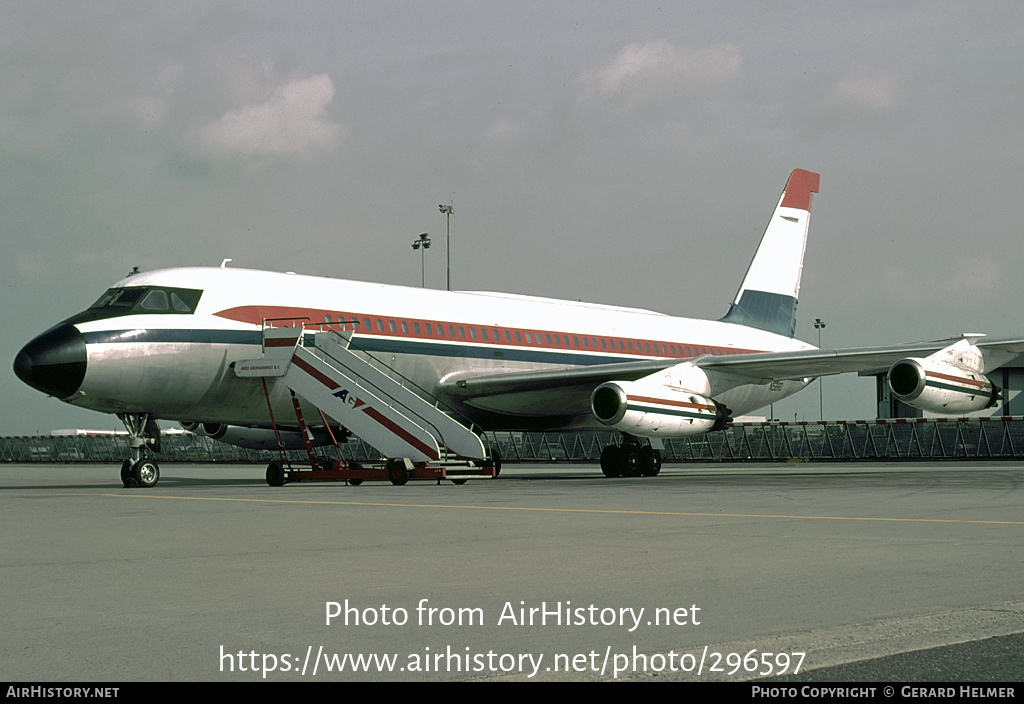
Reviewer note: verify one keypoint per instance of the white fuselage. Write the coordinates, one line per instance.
(178, 365)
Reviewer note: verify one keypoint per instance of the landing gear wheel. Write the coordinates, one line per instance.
(275, 474)
(355, 482)
(397, 472)
(459, 481)
(630, 462)
(126, 475)
(146, 473)
(611, 461)
(496, 461)
(650, 462)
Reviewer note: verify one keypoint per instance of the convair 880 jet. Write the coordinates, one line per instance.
(420, 373)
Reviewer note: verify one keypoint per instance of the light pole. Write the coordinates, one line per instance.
(818, 325)
(421, 244)
(448, 210)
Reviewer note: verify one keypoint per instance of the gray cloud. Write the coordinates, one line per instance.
(292, 121)
(648, 71)
(864, 90)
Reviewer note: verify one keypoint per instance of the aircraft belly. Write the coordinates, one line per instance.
(567, 407)
(562, 401)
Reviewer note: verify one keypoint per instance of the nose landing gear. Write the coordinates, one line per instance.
(143, 433)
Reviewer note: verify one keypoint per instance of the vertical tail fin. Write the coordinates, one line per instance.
(767, 297)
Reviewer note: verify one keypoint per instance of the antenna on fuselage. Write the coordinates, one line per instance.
(224, 264)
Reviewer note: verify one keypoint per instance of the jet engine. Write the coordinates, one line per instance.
(653, 409)
(940, 387)
(254, 438)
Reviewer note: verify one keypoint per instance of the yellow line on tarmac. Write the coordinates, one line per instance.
(566, 510)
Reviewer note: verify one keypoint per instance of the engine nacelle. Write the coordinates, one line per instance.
(253, 438)
(940, 387)
(654, 410)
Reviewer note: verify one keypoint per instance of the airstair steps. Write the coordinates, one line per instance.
(365, 397)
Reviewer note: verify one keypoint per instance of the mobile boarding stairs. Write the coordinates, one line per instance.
(419, 438)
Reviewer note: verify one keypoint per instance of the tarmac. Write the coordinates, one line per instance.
(893, 572)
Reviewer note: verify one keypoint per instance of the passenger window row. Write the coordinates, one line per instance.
(368, 325)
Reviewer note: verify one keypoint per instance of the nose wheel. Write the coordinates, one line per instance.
(146, 473)
(143, 432)
(139, 474)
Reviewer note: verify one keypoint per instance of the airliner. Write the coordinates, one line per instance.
(181, 345)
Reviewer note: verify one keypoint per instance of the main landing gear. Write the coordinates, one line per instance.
(143, 433)
(630, 459)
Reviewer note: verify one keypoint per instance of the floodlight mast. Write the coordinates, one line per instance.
(818, 325)
(422, 244)
(447, 209)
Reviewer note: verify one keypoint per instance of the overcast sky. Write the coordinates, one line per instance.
(618, 152)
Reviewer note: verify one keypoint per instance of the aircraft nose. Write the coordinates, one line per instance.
(54, 362)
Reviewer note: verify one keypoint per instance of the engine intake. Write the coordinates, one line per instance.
(656, 410)
(940, 387)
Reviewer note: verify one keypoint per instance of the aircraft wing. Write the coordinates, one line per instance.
(772, 366)
(728, 370)
(558, 377)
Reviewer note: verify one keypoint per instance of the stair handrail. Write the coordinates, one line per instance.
(385, 368)
(408, 384)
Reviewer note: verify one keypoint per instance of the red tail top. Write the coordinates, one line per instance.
(799, 188)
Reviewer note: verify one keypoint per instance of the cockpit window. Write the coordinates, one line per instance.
(119, 298)
(180, 305)
(147, 299)
(155, 300)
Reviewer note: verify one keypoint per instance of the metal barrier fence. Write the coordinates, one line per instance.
(891, 439)
(176, 447)
(896, 439)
